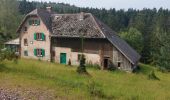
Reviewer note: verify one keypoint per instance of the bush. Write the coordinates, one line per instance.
(162, 69)
(95, 89)
(152, 76)
(94, 66)
(111, 66)
(82, 68)
(7, 54)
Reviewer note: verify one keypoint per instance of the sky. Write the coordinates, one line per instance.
(118, 4)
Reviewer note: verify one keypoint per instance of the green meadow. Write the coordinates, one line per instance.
(62, 82)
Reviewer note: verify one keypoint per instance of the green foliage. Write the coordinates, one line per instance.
(95, 89)
(6, 54)
(134, 38)
(152, 76)
(82, 67)
(9, 17)
(25, 7)
(163, 54)
(65, 83)
(94, 66)
(143, 69)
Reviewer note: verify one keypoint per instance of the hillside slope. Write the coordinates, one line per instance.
(32, 79)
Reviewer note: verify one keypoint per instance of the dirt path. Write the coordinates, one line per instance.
(18, 94)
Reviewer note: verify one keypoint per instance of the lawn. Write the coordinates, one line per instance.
(55, 81)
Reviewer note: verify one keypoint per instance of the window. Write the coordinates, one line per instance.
(25, 42)
(34, 22)
(25, 53)
(39, 52)
(119, 64)
(25, 29)
(39, 36)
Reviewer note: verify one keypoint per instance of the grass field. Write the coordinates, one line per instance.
(63, 82)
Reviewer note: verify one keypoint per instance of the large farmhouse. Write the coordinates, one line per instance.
(58, 37)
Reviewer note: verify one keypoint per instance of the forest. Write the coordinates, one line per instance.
(147, 30)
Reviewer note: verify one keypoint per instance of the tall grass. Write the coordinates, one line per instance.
(101, 84)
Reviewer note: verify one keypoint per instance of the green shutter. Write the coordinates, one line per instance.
(43, 52)
(43, 36)
(35, 22)
(35, 36)
(35, 52)
(30, 22)
(38, 22)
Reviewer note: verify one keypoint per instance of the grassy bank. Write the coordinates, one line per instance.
(63, 82)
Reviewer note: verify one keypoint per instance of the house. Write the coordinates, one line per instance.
(13, 45)
(58, 37)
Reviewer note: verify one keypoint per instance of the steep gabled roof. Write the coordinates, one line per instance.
(71, 25)
(119, 43)
(43, 14)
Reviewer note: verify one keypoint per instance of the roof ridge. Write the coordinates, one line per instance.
(97, 25)
(70, 14)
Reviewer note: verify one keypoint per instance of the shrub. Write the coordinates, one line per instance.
(152, 75)
(162, 69)
(111, 66)
(91, 65)
(95, 89)
(82, 68)
(7, 54)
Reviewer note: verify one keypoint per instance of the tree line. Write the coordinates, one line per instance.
(147, 30)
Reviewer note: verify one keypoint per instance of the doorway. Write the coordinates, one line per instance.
(63, 58)
(106, 63)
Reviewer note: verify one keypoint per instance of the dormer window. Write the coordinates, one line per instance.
(39, 36)
(34, 22)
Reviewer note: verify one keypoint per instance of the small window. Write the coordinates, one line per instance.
(39, 36)
(119, 64)
(34, 22)
(25, 29)
(25, 42)
(25, 53)
(39, 52)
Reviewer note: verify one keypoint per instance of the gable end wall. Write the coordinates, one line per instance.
(32, 44)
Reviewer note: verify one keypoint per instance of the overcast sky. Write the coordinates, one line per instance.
(118, 4)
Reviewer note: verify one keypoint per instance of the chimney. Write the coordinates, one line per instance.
(49, 9)
(81, 17)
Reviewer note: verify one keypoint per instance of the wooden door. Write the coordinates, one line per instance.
(63, 58)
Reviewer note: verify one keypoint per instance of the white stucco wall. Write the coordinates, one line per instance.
(73, 56)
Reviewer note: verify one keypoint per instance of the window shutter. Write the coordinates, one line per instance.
(38, 22)
(43, 52)
(43, 36)
(35, 22)
(35, 36)
(30, 22)
(35, 52)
